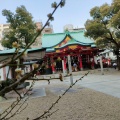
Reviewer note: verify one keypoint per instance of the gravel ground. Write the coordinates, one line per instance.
(79, 104)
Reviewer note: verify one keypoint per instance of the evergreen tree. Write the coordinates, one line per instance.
(21, 29)
(104, 27)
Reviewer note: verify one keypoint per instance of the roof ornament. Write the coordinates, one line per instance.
(66, 31)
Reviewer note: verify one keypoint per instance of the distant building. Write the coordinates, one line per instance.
(3, 28)
(47, 30)
(68, 27)
(71, 28)
(37, 43)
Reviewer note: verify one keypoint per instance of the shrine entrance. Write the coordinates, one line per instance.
(79, 61)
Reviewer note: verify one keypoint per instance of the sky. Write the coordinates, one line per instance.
(75, 12)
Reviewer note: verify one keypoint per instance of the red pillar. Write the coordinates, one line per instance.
(80, 62)
(53, 66)
(53, 69)
(93, 63)
(109, 62)
(65, 68)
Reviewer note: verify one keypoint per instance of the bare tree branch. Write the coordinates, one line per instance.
(16, 103)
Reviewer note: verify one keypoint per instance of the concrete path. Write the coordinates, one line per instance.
(108, 83)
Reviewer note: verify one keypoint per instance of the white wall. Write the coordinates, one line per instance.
(110, 55)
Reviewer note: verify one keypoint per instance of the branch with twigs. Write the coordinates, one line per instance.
(47, 78)
(18, 103)
(48, 115)
(11, 87)
(8, 111)
(50, 18)
(16, 83)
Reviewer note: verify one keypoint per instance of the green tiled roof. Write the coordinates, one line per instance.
(93, 45)
(50, 49)
(7, 51)
(73, 42)
(79, 36)
(11, 51)
(51, 40)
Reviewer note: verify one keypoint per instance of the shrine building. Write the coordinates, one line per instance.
(82, 50)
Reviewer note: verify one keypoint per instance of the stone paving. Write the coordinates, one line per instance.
(108, 83)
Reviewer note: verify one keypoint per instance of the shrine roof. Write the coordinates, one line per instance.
(11, 51)
(50, 49)
(79, 37)
(73, 42)
(93, 45)
(51, 40)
